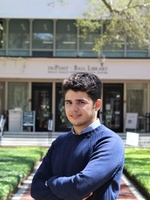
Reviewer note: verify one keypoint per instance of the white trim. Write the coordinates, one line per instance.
(60, 68)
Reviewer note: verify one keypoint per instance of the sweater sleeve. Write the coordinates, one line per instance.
(39, 191)
(106, 161)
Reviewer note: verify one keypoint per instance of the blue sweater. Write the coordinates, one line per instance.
(76, 165)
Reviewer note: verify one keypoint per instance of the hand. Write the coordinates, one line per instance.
(88, 196)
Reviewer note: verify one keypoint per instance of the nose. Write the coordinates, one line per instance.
(74, 107)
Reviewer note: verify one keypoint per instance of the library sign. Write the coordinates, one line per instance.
(77, 68)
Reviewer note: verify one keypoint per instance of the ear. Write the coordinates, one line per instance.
(98, 104)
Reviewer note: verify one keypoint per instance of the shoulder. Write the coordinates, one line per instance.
(104, 134)
(109, 142)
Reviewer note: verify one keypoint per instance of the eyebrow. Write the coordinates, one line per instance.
(75, 100)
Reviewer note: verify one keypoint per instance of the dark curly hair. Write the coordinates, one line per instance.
(85, 82)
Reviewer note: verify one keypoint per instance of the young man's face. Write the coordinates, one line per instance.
(80, 110)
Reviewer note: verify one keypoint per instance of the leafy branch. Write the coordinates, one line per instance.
(122, 21)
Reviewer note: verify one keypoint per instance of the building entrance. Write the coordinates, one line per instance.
(112, 115)
(42, 104)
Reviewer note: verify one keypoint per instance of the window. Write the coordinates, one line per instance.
(18, 95)
(114, 47)
(114, 50)
(2, 97)
(137, 101)
(42, 36)
(2, 37)
(18, 41)
(66, 37)
(135, 51)
(87, 44)
(18, 34)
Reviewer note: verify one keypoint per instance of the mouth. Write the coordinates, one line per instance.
(75, 116)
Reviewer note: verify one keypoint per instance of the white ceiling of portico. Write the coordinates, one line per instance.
(71, 9)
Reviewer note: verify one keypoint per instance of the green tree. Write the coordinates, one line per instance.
(121, 21)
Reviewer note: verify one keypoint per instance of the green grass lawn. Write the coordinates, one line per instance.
(16, 163)
(137, 168)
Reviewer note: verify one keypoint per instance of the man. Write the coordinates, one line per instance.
(86, 162)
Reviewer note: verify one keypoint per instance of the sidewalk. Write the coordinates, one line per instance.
(128, 191)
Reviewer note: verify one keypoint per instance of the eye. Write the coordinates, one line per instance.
(82, 102)
(68, 102)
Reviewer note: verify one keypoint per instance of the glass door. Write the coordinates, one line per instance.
(62, 123)
(112, 115)
(42, 104)
(137, 102)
